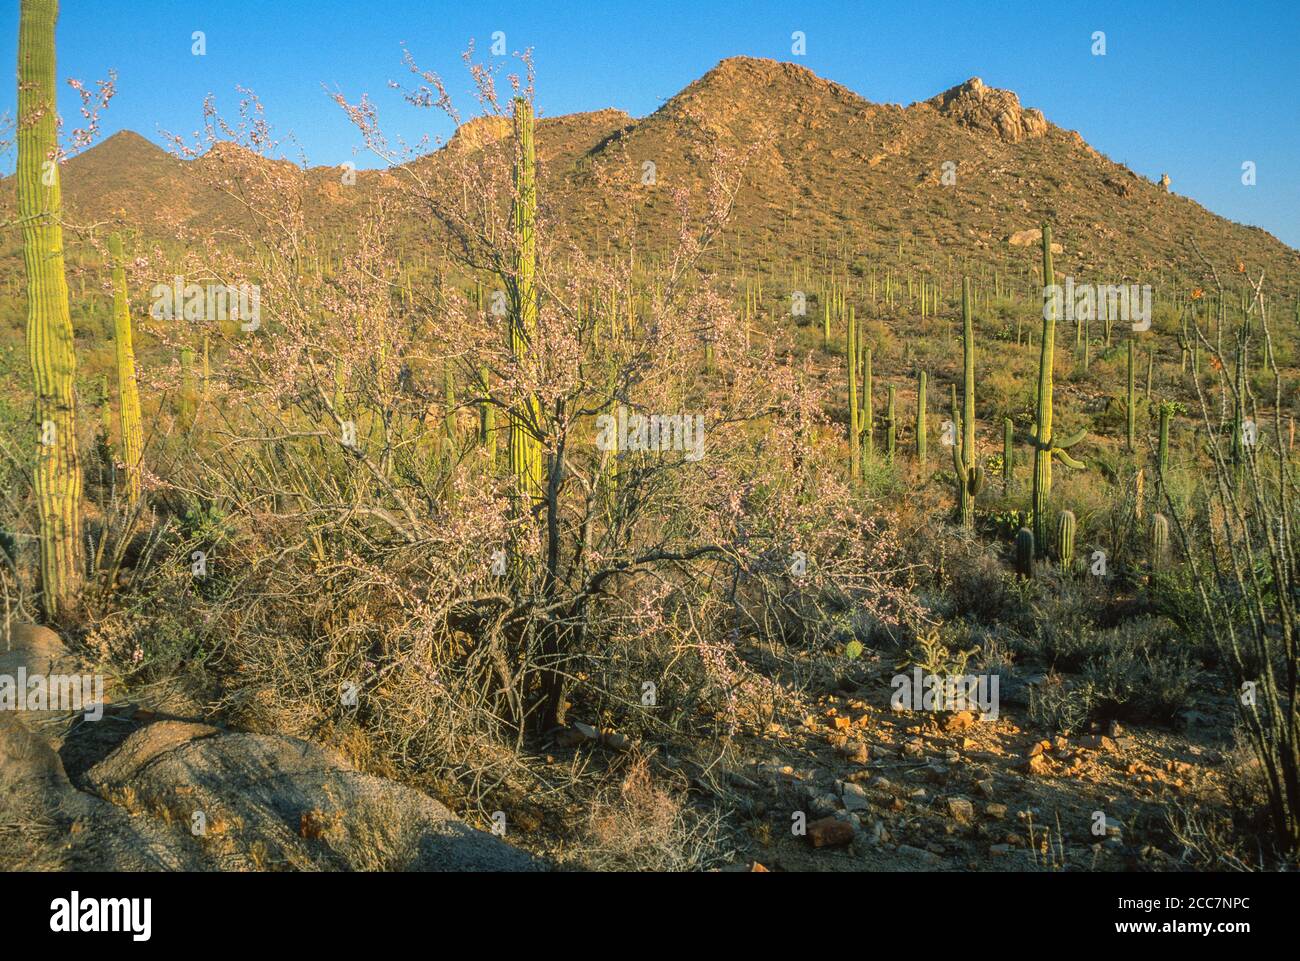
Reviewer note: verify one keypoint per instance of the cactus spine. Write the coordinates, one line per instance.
(1045, 445)
(525, 448)
(921, 429)
(128, 402)
(57, 476)
(1065, 527)
(970, 478)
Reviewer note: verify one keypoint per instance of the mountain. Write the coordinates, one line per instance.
(826, 170)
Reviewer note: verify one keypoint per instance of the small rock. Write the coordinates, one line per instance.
(856, 752)
(853, 796)
(823, 805)
(958, 722)
(996, 810)
(961, 810)
(1038, 764)
(830, 833)
(985, 787)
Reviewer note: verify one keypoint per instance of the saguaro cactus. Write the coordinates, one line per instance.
(1008, 453)
(921, 428)
(57, 477)
(1045, 445)
(1162, 450)
(855, 467)
(867, 420)
(525, 419)
(1065, 528)
(189, 392)
(891, 427)
(1131, 426)
(1025, 553)
(487, 415)
(1159, 542)
(128, 395)
(970, 478)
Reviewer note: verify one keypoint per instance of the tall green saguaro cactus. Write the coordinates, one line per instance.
(1065, 529)
(970, 478)
(1045, 445)
(855, 468)
(525, 448)
(891, 427)
(867, 420)
(1131, 425)
(1008, 453)
(128, 394)
(57, 477)
(1162, 448)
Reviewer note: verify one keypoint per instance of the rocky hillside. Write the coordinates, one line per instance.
(826, 170)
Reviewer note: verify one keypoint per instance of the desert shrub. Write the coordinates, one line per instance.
(645, 824)
(1059, 704)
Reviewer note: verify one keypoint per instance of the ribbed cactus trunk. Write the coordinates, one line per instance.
(57, 477)
(891, 427)
(1008, 453)
(855, 467)
(128, 394)
(969, 476)
(189, 392)
(525, 449)
(487, 417)
(1162, 448)
(1131, 425)
(1042, 484)
(867, 420)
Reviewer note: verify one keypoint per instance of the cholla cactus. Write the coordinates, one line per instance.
(128, 403)
(57, 477)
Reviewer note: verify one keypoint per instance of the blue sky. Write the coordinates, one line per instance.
(1190, 88)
